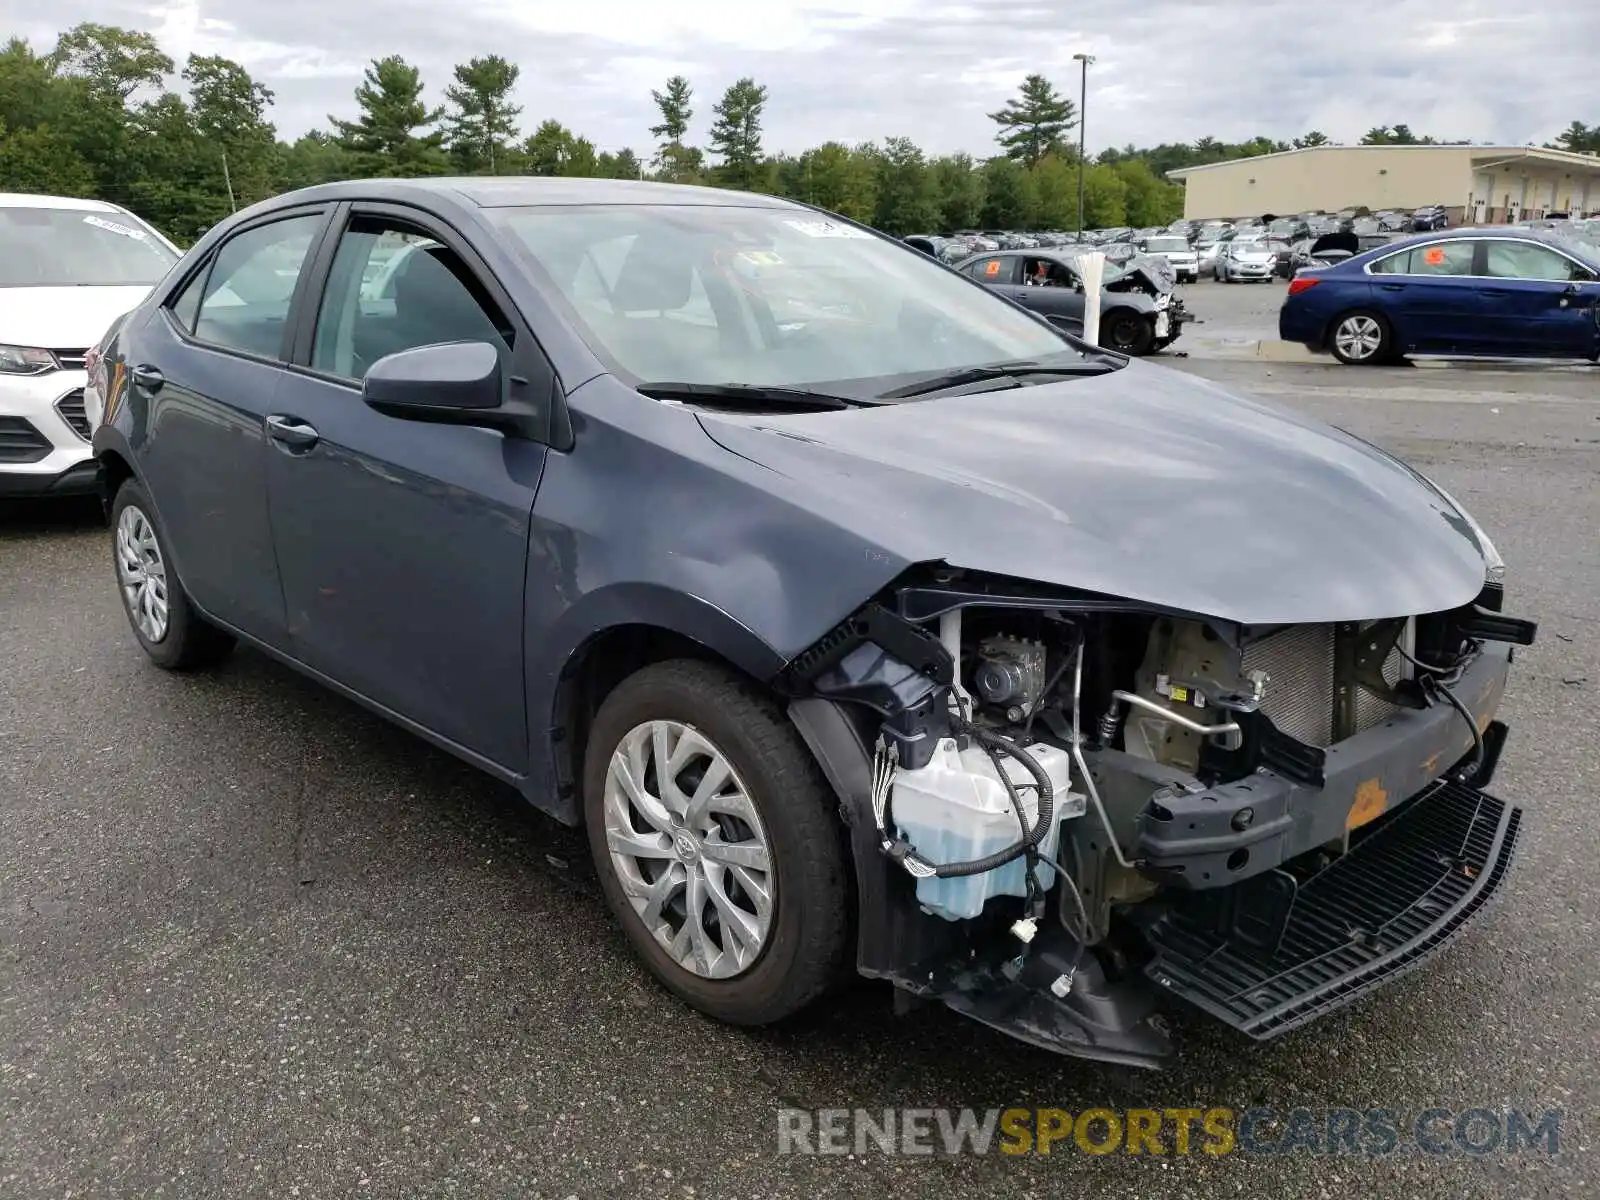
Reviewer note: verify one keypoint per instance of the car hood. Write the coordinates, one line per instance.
(63, 318)
(1143, 484)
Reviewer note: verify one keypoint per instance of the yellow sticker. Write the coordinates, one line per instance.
(1181, 695)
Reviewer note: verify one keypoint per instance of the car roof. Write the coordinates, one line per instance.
(1477, 233)
(28, 200)
(515, 191)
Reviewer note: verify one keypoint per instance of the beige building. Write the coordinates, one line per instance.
(1475, 183)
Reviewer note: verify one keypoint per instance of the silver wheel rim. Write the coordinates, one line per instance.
(142, 573)
(1358, 337)
(689, 849)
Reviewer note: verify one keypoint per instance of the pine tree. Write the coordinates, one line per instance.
(1032, 124)
(482, 123)
(736, 134)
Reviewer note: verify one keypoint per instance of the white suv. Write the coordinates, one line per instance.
(68, 269)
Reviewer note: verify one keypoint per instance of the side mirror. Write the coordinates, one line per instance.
(450, 382)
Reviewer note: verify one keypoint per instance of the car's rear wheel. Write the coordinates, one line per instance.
(1361, 338)
(1126, 332)
(158, 609)
(716, 841)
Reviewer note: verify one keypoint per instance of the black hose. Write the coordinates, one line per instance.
(994, 743)
(1435, 686)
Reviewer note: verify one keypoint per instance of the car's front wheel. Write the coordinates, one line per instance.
(716, 841)
(166, 624)
(1127, 332)
(1361, 338)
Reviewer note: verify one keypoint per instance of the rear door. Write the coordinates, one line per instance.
(1430, 296)
(1537, 301)
(402, 544)
(208, 365)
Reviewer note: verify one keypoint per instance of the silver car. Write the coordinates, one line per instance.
(1246, 260)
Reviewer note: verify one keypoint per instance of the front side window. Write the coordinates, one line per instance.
(72, 247)
(245, 306)
(767, 296)
(1523, 260)
(394, 287)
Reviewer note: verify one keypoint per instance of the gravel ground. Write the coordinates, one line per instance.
(256, 942)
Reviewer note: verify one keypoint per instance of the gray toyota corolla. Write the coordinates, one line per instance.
(860, 616)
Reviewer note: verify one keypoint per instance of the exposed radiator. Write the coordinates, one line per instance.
(1299, 699)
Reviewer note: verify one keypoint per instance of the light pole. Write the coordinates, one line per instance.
(1083, 102)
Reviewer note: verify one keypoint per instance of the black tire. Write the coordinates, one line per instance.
(188, 642)
(1383, 352)
(1127, 332)
(805, 952)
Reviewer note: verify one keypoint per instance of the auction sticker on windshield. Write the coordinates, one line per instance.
(113, 227)
(827, 229)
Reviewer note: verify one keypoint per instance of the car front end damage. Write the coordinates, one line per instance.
(1264, 822)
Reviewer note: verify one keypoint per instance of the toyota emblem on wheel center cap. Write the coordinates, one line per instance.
(685, 847)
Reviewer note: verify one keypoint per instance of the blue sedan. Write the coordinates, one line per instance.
(1508, 293)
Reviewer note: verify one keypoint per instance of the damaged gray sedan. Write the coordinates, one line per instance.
(865, 620)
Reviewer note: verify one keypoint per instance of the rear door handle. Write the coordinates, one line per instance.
(1393, 287)
(148, 377)
(291, 431)
(1494, 292)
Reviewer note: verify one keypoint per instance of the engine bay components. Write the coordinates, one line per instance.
(1010, 675)
(957, 809)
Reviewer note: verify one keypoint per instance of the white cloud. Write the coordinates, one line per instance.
(1165, 70)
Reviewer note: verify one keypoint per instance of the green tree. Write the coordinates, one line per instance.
(908, 199)
(176, 179)
(553, 149)
(30, 92)
(1315, 138)
(117, 61)
(675, 161)
(1055, 183)
(1393, 135)
(1033, 123)
(1105, 198)
(229, 112)
(387, 138)
(1147, 200)
(316, 157)
(960, 189)
(1009, 197)
(481, 123)
(1578, 138)
(41, 160)
(624, 164)
(736, 135)
(839, 179)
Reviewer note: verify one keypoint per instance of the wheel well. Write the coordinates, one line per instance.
(591, 674)
(114, 471)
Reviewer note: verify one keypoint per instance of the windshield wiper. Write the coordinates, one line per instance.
(749, 395)
(1015, 370)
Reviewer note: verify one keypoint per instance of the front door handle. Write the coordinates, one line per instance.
(1393, 287)
(291, 431)
(1494, 292)
(148, 377)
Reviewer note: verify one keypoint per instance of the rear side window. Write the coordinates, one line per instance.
(252, 280)
(1438, 258)
(991, 270)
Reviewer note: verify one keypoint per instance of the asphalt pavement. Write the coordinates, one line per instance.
(257, 942)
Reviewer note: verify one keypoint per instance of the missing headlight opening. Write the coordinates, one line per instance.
(1072, 805)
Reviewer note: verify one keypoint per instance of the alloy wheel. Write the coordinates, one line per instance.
(689, 848)
(142, 573)
(1358, 337)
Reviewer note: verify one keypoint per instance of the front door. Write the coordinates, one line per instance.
(208, 364)
(403, 545)
(1538, 303)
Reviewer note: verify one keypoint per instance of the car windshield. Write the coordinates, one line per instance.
(1167, 245)
(72, 247)
(766, 296)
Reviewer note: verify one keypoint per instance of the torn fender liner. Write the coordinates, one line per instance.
(1400, 894)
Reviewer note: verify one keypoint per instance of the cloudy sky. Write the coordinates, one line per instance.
(855, 70)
